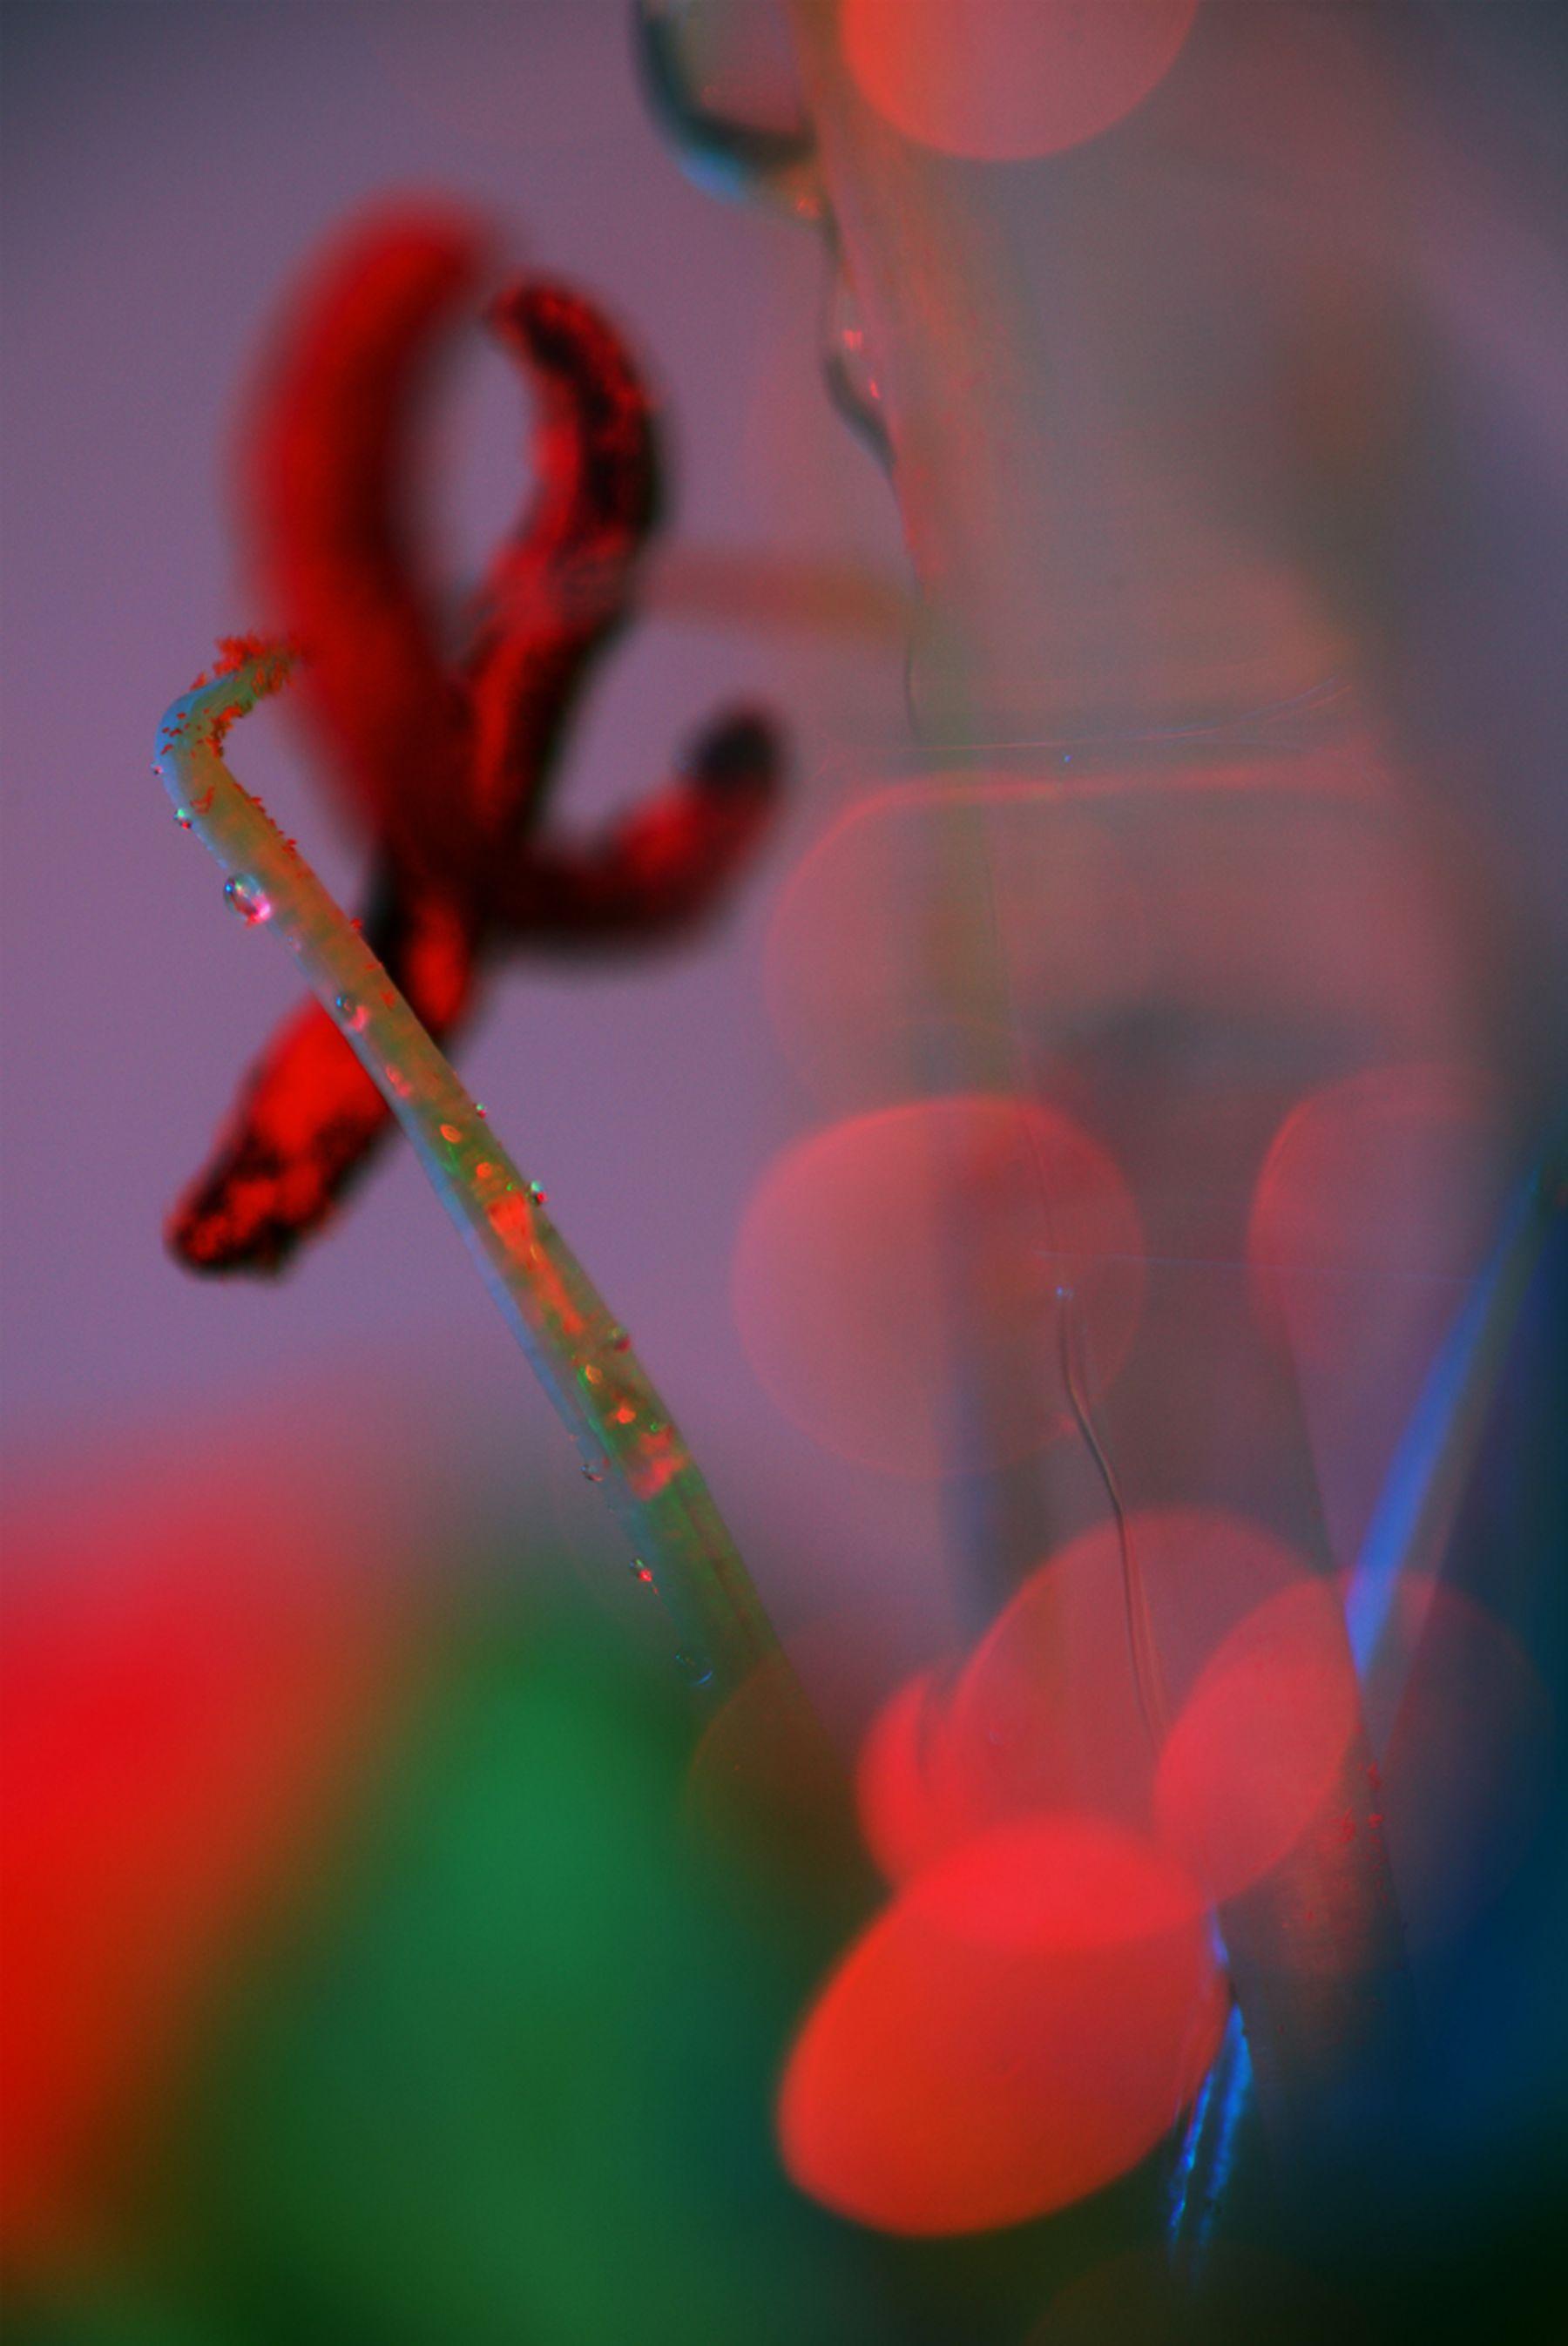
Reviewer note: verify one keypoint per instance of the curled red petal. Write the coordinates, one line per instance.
(663, 867)
(601, 485)
(561, 587)
(329, 474)
(450, 769)
(309, 1120)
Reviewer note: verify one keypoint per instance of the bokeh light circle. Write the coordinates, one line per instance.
(950, 923)
(898, 1281)
(1388, 1180)
(1259, 1747)
(1044, 1717)
(1021, 2025)
(1003, 81)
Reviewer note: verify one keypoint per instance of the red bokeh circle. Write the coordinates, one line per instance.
(899, 1282)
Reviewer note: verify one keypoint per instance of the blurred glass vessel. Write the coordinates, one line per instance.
(1141, 308)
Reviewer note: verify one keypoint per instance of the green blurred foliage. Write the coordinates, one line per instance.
(515, 2080)
(502, 2068)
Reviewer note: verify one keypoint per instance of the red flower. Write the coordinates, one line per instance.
(448, 765)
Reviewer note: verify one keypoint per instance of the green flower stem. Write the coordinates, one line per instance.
(584, 1358)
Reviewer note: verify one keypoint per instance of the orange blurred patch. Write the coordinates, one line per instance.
(1021, 2026)
(897, 1280)
(1011, 78)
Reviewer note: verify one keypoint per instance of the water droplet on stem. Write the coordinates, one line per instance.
(245, 895)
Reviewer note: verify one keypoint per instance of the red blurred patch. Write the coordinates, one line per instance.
(188, 1680)
(896, 1280)
(1045, 1714)
(1257, 1748)
(1012, 78)
(899, 1784)
(1020, 2027)
(970, 2063)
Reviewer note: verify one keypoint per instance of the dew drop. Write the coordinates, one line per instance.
(182, 815)
(352, 1013)
(696, 1668)
(594, 1470)
(639, 1571)
(246, 896)
(618, 1339)
(537, 1193)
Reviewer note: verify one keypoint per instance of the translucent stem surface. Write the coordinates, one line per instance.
(584, 1358)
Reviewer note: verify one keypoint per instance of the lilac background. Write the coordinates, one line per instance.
(168, 165)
